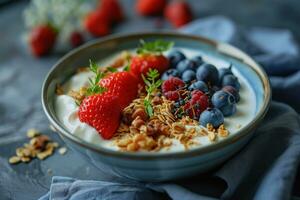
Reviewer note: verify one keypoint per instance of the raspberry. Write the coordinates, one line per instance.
(172, 84)
(172, 95)
(196, 105)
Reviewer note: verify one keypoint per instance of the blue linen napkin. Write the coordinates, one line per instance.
(265, 168)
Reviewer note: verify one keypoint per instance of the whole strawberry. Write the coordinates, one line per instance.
(149, 56)
(101, 111)
(97, 23)
(42, 39)
(150, 7)
(178, 13)
(112, 9)
(123, 85)
(99, 108)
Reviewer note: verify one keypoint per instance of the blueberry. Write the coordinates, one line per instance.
(211, 116)
(223, 72)
(208, 73)
(185, 65)
(197, 60)
(188, 76)
(225, 102)
(170, 72)
(228, 110)
(232, 81)
(199, 85)
(175, 57)
(232, 91)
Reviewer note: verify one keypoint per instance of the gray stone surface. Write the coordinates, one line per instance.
(21, 76)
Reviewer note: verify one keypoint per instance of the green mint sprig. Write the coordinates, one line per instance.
(151, 86)
(94, 87)
(157, 47)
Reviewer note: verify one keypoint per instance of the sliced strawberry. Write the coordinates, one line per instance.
(101, 111)
(122, 85)
(42, 39)
(178, 13)
(150, 7)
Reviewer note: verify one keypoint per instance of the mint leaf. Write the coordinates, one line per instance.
(157, 46)
(94, 87)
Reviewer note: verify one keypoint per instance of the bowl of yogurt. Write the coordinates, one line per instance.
(197, 104)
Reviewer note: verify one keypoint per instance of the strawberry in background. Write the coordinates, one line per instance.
(178, 13)
(42, 39)
(150, 7)
(99, 22)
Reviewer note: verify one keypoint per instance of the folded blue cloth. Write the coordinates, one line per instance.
(265, 168)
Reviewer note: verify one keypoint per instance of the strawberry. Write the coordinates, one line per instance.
(122, 85)
(149, 56)
(150, 7)
(97, 23)
(112, 9)
(76, 39)
(42, 39)
(101, 111)
(178, 13)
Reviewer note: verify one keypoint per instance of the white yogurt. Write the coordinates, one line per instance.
(66, 109)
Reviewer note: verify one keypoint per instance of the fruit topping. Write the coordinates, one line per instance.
(188, 76)
(197, 104)
(211, 116)
(199, 85)
(208, 73)
(123, 85)
(184, 65)
(170, 72)
(223, 72)
(197, 60)
(149, 56)
(225, 102)
(172, 84)
(101, 111)
(175, 57)
(232, 91)
(231, 80)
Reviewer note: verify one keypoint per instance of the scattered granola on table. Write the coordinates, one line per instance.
(40, 146)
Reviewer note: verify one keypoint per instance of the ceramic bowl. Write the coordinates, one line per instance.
(154, 166)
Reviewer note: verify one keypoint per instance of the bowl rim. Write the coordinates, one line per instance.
(220, 47)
